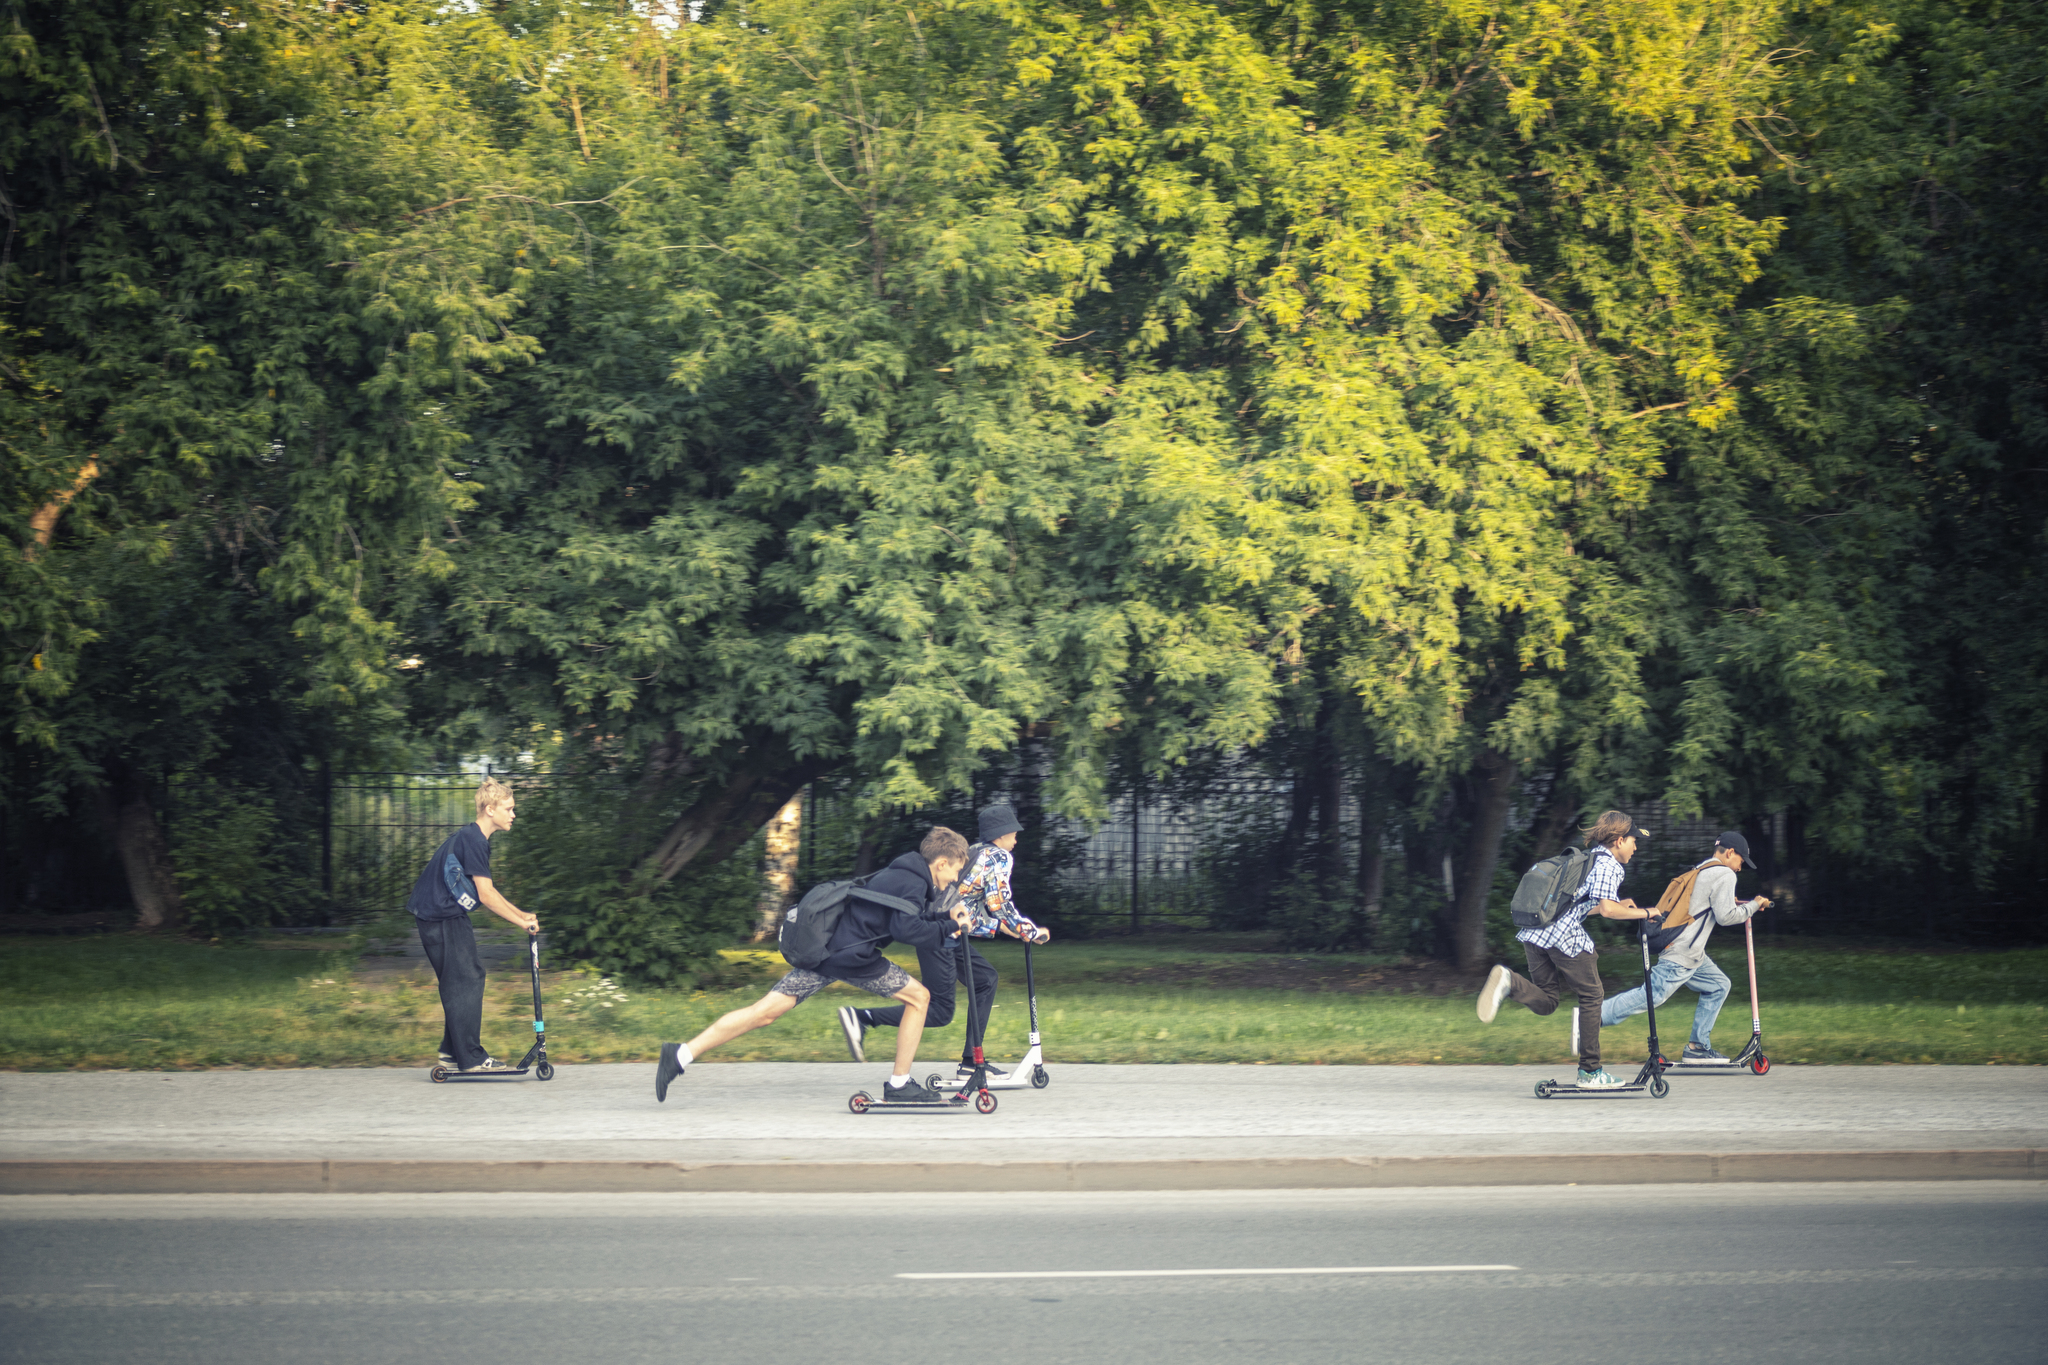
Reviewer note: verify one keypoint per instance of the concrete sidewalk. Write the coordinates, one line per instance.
(785, 1126)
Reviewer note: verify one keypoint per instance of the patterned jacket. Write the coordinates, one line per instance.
(985, 891)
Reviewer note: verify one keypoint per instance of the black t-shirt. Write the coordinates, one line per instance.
(431, 898)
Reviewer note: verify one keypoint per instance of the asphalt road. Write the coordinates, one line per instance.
(1780, 1273)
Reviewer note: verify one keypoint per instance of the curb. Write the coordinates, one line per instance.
(891, 1177)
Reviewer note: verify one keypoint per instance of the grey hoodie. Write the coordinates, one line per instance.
(1713, 902)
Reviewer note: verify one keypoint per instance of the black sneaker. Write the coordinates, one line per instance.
(666, 1069)
(910, 1092)
(855, 1030)
(967, 1069)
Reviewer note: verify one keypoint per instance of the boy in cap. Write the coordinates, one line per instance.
(1561, 953)
(985, 893)
(1684, 961)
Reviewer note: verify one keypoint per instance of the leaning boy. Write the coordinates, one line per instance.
(1561, 954)
(441, 901)
(991, 905)
(864, 928)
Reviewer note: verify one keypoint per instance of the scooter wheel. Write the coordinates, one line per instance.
(860, 1101)
(985, 1102)
(1543, 1089)
(439, 1074)
(1040, 1079)
(1659, 1087)
(1761, 1065)
(935, 1082)
(546, 1071)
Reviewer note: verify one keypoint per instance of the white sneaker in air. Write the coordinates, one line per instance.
(1493, 992)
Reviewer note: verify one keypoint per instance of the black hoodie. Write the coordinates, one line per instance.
(866, 928)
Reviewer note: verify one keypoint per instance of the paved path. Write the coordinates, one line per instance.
(778, 1125)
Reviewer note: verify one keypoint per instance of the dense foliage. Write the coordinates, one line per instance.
(1465, 408)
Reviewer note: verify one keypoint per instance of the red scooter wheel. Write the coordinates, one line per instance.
(1761, 1065)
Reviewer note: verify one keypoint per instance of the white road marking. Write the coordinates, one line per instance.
(1159, 1274)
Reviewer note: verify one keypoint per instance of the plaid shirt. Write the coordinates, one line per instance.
(1567, 933)
(985, 891)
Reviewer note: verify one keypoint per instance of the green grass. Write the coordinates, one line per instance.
(140, 1002)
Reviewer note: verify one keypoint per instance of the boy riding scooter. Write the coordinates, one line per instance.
(1561, 954)
(985, 892)
(857, 941)
(1684, 960)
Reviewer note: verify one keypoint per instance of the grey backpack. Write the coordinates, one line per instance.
(1549, 888)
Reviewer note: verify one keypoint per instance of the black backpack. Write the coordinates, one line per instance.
(805, 935)
(1550, 888)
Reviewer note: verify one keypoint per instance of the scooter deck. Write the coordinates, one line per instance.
(1645, 1080)
(1750, 1061)
(863, 1102)
(1028, 1074)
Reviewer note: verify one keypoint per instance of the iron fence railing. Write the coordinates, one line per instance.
(381, 827)
(1154, 860)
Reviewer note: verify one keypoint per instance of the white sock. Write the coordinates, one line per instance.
(683, 1054)
(898, 1082)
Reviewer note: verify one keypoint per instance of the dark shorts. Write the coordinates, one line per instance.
(803, 983)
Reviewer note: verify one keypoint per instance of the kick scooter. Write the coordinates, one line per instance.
(1030, 1071)
(1752, 1054)
(1651, 1077)
(536, 1058)
(974, 1091)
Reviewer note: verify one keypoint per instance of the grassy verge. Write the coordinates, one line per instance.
(136, 1002)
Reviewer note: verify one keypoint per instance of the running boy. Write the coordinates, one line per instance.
(863, 930)
(985, 891)
(1561, 954)
(441, 903)
(1684, 961)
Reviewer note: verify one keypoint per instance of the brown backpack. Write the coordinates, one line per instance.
(1675, 907)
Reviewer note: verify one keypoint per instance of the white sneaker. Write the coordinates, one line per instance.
(1599, 1080)
(490, 1064)
(1493, 992)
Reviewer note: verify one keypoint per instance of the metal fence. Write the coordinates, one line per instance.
(1152, 861)
(381, 827)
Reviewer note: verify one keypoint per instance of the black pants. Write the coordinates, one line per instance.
(1551, 971)
(451, 947)
(939, 969)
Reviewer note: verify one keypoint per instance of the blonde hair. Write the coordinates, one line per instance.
(1611, 826)
(941, 844)
(491, 795)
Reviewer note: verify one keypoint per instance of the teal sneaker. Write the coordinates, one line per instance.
(1599, 1080)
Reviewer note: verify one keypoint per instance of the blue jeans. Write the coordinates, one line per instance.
(1709, 982)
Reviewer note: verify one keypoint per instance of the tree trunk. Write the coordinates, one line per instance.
(1548, 834)
(778, 883)
(1372, 864)
(867, 852)
(1495, 795)
(1329, 805)
(726, 816)
(131, 826)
